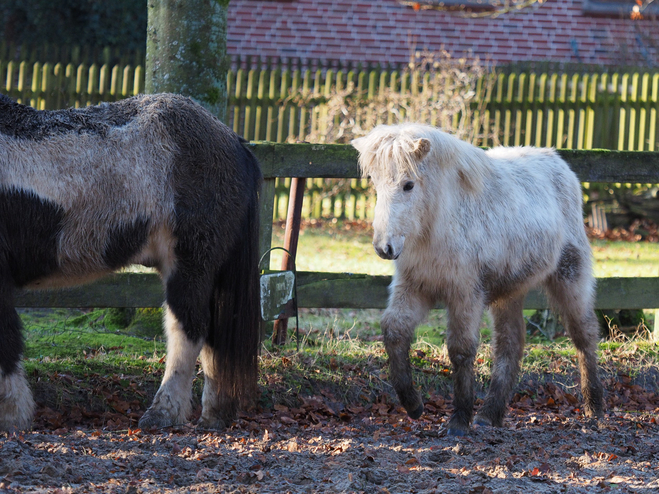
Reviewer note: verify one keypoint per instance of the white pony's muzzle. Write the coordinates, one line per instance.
(388, 247)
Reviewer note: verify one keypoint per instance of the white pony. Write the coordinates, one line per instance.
(476, 228)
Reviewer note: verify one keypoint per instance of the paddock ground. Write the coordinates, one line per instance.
(544, 453)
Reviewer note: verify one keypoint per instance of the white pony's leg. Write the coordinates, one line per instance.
(173, 401)
(16, 403)
(462, 338)
(572, 291)
(508, 345)
(405, 311)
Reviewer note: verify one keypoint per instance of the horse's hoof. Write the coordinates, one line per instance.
(451, 431)
(155, 419)
(211, 424)
(482, 420)
(415, 414)
(457, 428)
(592, 412)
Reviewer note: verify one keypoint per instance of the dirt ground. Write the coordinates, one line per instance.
(318, 448)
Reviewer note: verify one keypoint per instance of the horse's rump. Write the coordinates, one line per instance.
(112, 176)
(154, 180)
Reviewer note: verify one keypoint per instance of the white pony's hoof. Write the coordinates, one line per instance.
(451, 431)
(483, 421)
(415, 414)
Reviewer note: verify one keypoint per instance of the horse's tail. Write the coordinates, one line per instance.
(235, 313)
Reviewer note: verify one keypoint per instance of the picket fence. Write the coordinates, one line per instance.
(617, 111)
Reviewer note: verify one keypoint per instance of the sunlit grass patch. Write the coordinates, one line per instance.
(71, 333)
(334, 250)
(625, 259)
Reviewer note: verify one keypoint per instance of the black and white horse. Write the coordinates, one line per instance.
(153, 180)
(476, 229)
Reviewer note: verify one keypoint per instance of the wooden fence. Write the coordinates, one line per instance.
(343, 290)
(567, 111)
(578, 111)
(70, 54)
(51, 86)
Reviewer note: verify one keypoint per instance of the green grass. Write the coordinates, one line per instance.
(89, 342)
(625, 259)
(334, 249)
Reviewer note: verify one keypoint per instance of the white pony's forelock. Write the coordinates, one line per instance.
(389, 150)
(384, 150)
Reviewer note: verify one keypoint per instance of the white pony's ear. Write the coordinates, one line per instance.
(421, 148)
(358, 144)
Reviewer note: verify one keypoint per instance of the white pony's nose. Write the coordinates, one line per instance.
(389, 249)
(385, 253)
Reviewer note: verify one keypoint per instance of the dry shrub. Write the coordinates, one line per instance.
(441, 91)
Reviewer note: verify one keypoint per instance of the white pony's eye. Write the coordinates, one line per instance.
(408, 186)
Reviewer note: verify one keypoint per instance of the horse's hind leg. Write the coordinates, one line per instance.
(571, 290)
(173, 402)
(508, 345)
(16, 403)
(211, 411)
(218, 407)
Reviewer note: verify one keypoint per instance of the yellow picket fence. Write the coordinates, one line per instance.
(568, 111)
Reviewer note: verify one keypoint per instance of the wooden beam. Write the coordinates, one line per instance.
(266, 212)
(603, 165)
(360, 291)
(306, 160)
(115, 290)
(315, 290)
(340, 161)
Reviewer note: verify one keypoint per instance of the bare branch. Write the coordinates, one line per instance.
(495, 8)
(474, 8)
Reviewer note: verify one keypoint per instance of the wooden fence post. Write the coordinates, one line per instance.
(293, 220)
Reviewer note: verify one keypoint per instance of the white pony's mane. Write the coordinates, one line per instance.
(393, 150)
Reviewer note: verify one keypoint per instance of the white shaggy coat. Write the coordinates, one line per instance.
(476, 228)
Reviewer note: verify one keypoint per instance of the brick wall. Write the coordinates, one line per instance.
(384, 31)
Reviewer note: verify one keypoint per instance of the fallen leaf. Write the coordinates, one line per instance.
(287, 420)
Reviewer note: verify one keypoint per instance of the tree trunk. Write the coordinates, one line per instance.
(186, 51)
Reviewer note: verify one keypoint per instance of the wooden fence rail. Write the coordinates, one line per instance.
(315, 290)
(344, 290)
